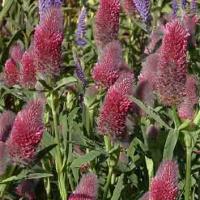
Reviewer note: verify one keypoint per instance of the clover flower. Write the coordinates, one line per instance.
(106, 22)
(172, 67)
(11, 73)
(86, 189)
(107, 70)
(26, 132)
(116, 107)
(165, 184)
(128, 6)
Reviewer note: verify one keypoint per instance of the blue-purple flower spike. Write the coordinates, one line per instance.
(143, 7)
(79, 71)
(183, 4)
(193, 6)
(81, 28)
(45, 4)
(174, 7)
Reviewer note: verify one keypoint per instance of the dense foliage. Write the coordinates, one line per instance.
(99, 99)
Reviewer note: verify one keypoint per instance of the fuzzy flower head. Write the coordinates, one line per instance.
(165, 184)
(116, 107)
(172, 67)
(106, 22)
(28, 70)
(86, 189)
(186, 108)
(11, 73)
(26, 132)
(6, 122)
(129, 7)
(81, 28)
(143, 7)
(107, 70)
(47, 42)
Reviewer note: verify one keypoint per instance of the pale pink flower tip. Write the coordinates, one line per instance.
(165, 184)
(6, 122)
(16, 52)
(106, 22)
(27, 131)
(116, 107)
(129, 7)
(11, 73)
(107, 70)
(87, 188)
(186, 108)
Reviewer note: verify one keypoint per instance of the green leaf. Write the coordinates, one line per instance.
(150, 112)
(65, 82)
(38, 175)
(170, 144)
(118, 188)
(6, 8)
(86, 158)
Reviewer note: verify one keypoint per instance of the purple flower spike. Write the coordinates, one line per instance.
(143, 7)
(184, 3)
(79, 71)
(174, 7)
(193, 6)
(81, 28)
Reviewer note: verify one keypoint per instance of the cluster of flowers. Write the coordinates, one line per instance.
(44, 54)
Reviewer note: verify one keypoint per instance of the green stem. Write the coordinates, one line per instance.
(58, 157)
(110, 171)
(197, 119)
(188, 142)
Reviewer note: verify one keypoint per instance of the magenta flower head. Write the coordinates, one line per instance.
(26, 189)
(6, 122)
(165, 184)
(106, 22)
(26, 132)
(28, 70)
(116, 107)
(107, 70)
(172, 67)
(87, 188)
(129, 7)
(186, 108)
(16, 52)
(11, 73)
(47, 42)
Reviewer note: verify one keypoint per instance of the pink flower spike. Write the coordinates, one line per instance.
(165, 184)
(87, 188)
(26, 132)
(28, 70)
(106, 22)
(11, 73)
(6, 122)
(47, 42)
(107, 70)
(186, 108)
(16, 52)
(172, 68)
(116, 107)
